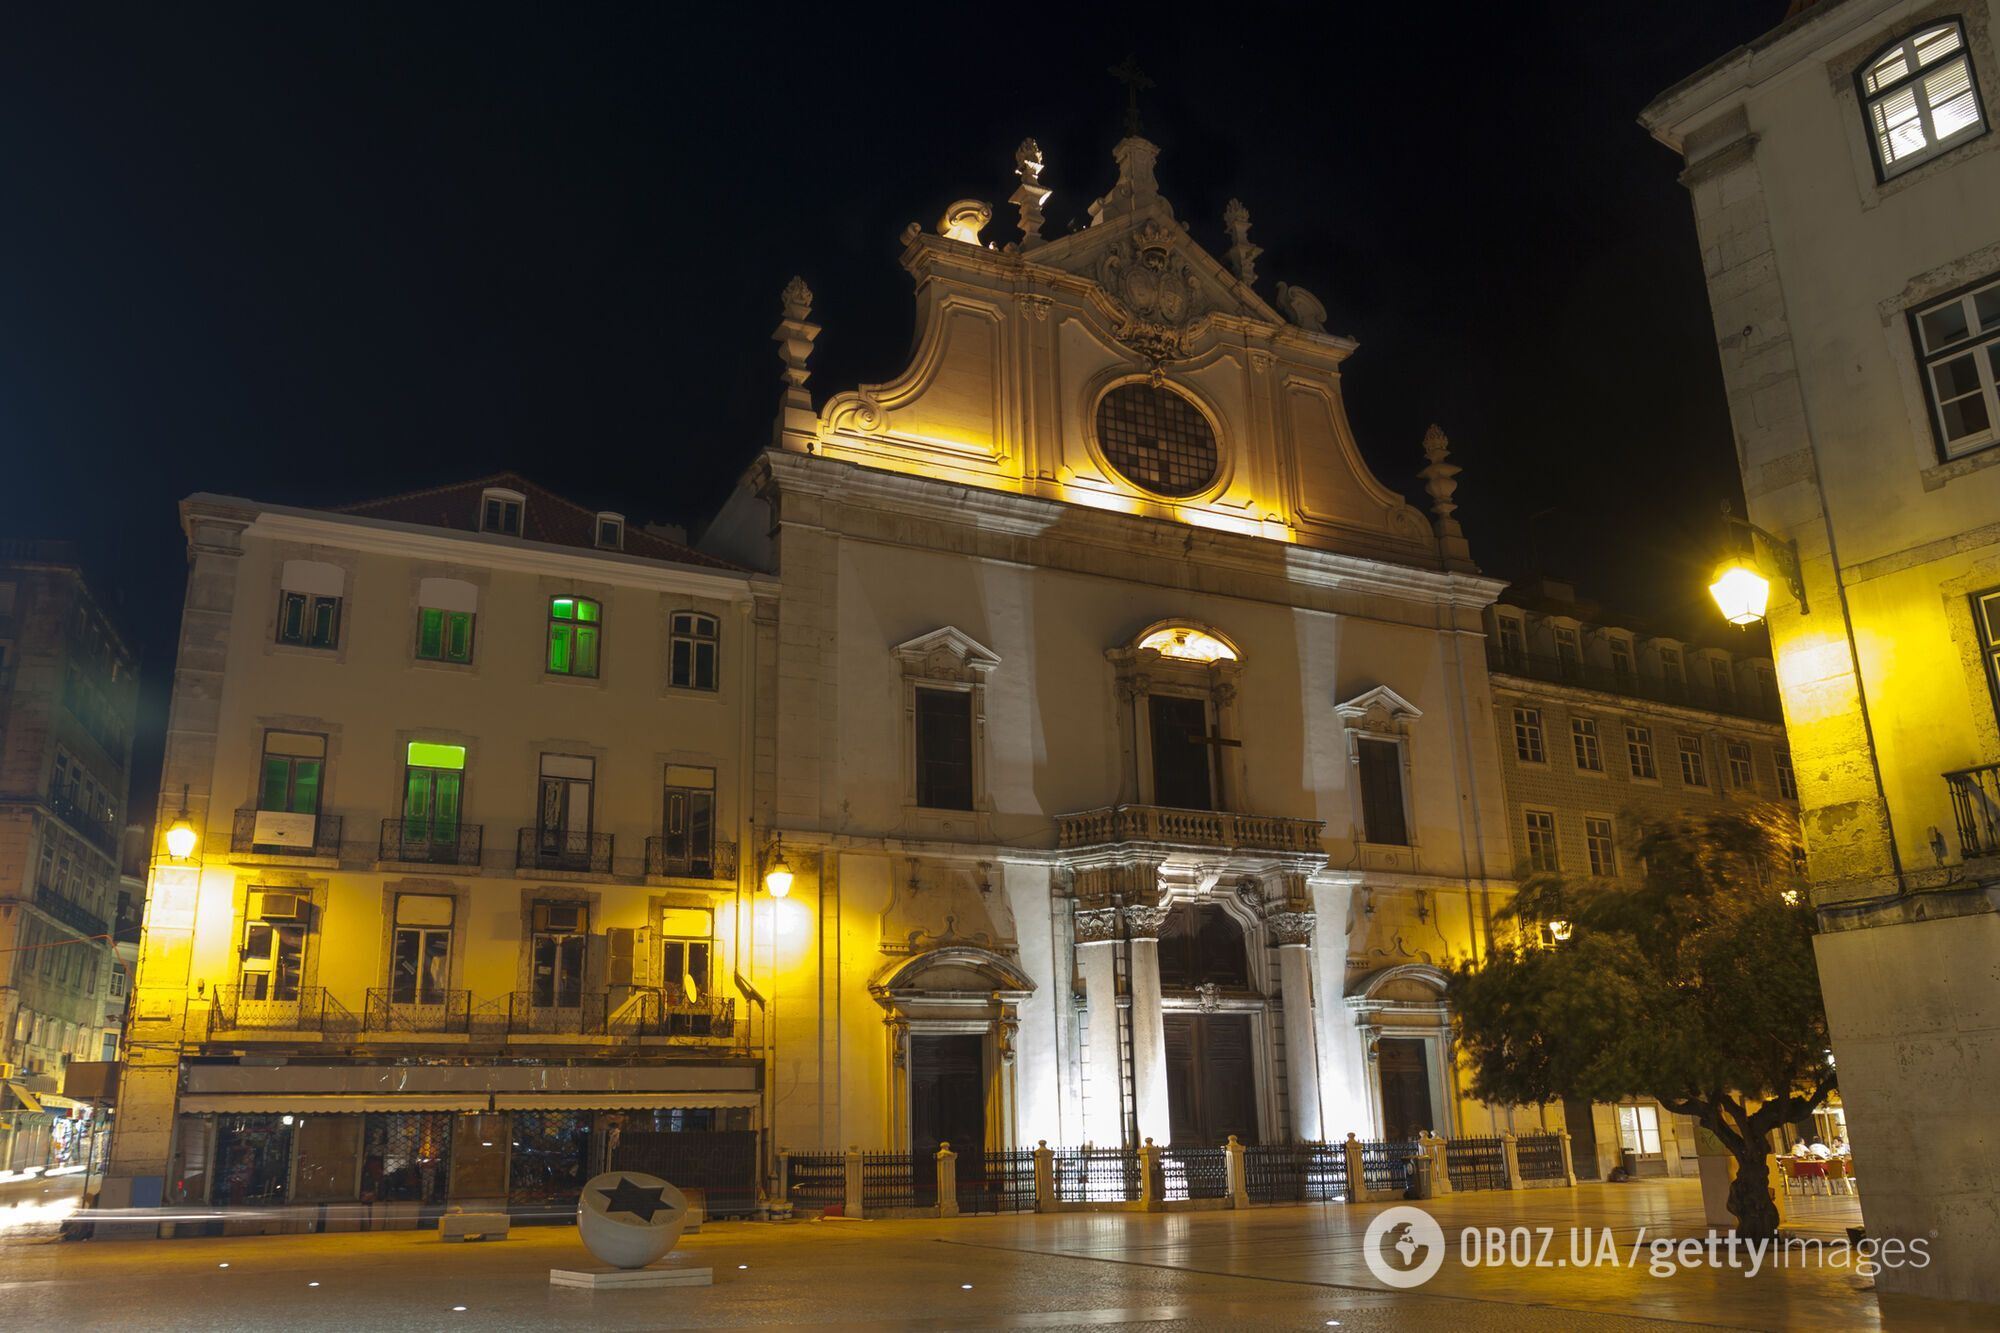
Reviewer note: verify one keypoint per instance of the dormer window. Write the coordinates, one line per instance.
(1922, 98)
(611, 531)
(500, 511)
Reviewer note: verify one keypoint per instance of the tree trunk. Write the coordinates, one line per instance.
(1750, 1193)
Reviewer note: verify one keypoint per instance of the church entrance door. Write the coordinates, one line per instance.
(1406, 1087)
(1211, 1083)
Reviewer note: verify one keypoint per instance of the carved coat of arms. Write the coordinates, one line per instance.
(1155, 291)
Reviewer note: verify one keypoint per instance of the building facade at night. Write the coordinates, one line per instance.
(1603, 727)
(1846, 192)
(68, 695)
(1129, 741)
(468, 773)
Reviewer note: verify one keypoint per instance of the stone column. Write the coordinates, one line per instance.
(1293, 933)
(1149, 1029)
(1097, 964)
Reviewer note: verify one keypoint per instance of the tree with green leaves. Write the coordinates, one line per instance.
(1694, 985)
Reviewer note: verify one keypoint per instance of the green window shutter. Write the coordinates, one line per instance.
(448, 785)
(277, 783)
(292, 620)
(559, 648)
(430, 634)
(305, 786)
(458, 637)
(586, 611)
(586, 650)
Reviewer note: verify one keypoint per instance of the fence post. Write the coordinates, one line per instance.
(1239, 1184)
(854, 1204)
(1440, 1164)
(1045, 1177)
(947, 1181)
(1357, 1174)
(1569, 1167)
(1149, 1177)
(783, 1193)
(1510, 1154)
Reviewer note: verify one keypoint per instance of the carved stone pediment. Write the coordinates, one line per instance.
(946, 654)
(1155, 291)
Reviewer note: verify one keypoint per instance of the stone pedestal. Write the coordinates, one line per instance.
(606, 1278)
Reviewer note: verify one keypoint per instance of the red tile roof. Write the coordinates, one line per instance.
(548, 517)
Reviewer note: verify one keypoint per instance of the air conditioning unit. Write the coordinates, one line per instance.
(266, 906)
(558, 917)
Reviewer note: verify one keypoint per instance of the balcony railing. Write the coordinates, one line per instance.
(717, 863)
(424, 841)
(313, 1010)
(582, 1018)
(438, 1011)
(1975, 800)
(70, 912)
(277, 833)
(1632, 685)
(85, 821)
(1188, 828)
(556, 849)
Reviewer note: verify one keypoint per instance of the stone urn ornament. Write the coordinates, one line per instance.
(629, 1220)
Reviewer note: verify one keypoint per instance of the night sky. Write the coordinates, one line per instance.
(318, 253)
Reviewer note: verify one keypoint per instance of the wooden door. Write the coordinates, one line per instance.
(1211, 1079)
(1404, 1068)
(947, 1105)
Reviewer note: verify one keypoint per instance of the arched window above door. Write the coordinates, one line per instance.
(1201, 945)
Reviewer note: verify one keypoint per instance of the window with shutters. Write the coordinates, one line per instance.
(1384, 815)
(1528, 736)
(1742, 773)
(444, 636)
(1541, 828)
(1922, 98)
(687, 823)
(558, 948)
(1513, 641)
(694, 645)
(1621, 659)
(1569, 652)
(1788, 783)
(420, 949)
(309, 620)
(944, 748)
(1583, 744)
(1958, 345)
(1671, 669)
(272, 960)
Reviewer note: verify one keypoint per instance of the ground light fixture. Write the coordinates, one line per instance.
(180, 834)
(1740, 587)
(778, 879)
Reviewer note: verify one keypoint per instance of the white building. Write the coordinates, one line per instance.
(1847, 195)
(1131, 744)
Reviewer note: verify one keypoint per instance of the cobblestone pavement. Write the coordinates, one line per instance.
(1264, 1269)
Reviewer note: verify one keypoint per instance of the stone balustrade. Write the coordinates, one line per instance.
(1220, 829)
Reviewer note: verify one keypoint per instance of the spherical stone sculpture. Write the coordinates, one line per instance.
(628, 1220)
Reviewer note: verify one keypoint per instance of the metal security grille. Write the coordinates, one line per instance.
(1194, 1173)
(1004, 1182)
(405, 1157)
(1295, 1173)
(1540, 1155)
(1095, 1175)
(816, 1180)
(721, 1164)
(898, 1180)
(1385, 1165)
(1156, 439)
(551, 1157)
(1475, 1164)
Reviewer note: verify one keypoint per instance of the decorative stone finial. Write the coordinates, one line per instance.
(964, 220)
(1031, 194)
(794, 336)
(1303, 307)
(1242, 254)
(1137, 187)
(1440, 482)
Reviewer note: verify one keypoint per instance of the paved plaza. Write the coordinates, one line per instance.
(1267, 1268)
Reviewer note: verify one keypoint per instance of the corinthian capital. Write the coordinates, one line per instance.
(1291, 927)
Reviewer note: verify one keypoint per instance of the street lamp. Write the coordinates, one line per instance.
(180, 834)
(1741, 588)
(1560, 928)
(778, 879)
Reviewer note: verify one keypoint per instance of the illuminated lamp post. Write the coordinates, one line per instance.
(181, 837)
(1741, 588)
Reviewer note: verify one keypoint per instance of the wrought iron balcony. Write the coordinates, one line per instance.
(277, 833)
(1975, 800)
(1220, 829)
(625, 1012)
(421, 1011)
(557, 849)
(70, 912)
(423, 841)
(85, 821)
(1632, 685)
(718, 862)
(313, 1009)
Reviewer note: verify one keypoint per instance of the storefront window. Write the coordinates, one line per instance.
(253, 1158)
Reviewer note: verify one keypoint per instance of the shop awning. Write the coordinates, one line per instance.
(28, 1100)
(620, 1101)
(295, 1103)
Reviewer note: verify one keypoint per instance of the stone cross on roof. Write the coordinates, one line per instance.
(1128, 73)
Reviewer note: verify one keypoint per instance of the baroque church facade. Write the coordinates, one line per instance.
(1130, 744)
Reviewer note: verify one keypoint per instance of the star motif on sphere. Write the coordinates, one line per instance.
(637, 1200)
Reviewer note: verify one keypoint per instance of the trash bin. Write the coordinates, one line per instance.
(1419, 1168)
